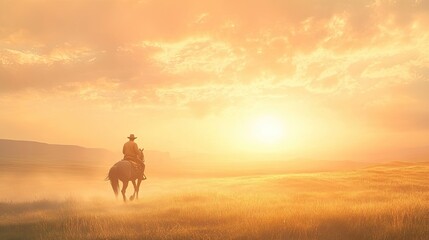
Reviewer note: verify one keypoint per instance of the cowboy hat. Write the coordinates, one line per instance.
(132, 136)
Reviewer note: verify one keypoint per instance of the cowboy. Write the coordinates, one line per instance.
(131, 150)
(132, 153)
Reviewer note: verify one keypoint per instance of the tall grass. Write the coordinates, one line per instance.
(378, 203)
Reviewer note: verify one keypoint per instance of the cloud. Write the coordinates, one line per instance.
(206, 55)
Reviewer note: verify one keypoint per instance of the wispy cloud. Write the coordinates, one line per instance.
(208, 56)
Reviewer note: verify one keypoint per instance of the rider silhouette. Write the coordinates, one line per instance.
(131, 150)
(132, 153)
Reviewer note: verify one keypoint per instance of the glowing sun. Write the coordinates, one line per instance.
(267, 129)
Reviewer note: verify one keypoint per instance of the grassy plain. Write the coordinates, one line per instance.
(384, 202)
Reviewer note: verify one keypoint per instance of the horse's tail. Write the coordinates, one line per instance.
(113, 181)
(115, 186)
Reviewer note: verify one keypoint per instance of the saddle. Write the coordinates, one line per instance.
(138, 167)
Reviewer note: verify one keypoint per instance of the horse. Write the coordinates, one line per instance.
(125, 171)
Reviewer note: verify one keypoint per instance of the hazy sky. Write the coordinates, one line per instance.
(319, 76)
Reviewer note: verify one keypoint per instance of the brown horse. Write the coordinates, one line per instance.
(125, 171)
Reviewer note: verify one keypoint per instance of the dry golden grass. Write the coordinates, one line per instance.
(386, 202)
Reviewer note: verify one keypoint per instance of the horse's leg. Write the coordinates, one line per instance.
(138, 187)
(135, 190)
(124, 188)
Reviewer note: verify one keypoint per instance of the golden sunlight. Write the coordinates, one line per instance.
(267, 129)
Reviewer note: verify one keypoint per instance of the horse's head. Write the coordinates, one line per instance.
(141, 154)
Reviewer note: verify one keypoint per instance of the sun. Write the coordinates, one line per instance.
(267, 129)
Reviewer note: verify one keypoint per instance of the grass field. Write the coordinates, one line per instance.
(386, 202)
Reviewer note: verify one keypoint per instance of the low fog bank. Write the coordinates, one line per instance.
(19, 187)
(37, 186)
(32, 171)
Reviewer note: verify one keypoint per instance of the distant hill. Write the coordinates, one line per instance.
(36, 152)
(36, 157)
(32, 156)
